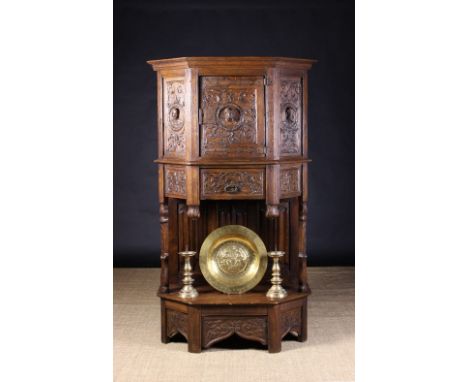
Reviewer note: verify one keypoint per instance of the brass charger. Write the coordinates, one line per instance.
(233, 259)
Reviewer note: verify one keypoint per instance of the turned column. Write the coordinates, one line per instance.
(272, 191)
(164, 223)
(302, 253)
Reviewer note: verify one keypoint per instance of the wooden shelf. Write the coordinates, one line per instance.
(205, 162)
(218, 298)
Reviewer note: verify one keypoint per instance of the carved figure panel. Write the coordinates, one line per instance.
(222, 184)
(217, 329)
(175, 181)
(176, 322)
(232, 119)
(291, 116)
(290, 181)
(174, 117)
(291, 322)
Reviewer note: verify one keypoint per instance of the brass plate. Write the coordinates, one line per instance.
(233, 259)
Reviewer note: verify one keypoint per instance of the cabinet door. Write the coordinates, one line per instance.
(232, 117)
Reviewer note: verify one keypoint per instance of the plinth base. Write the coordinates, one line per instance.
(213, 316)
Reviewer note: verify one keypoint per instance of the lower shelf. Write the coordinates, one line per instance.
(213, 316)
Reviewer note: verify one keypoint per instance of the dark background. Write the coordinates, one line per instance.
(323, 30)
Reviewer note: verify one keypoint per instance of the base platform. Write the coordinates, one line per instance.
(214, 316)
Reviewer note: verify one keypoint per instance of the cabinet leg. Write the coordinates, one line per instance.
(164, 221)
(194, 330)
(303, 336)
(274, 334)
(164, 337)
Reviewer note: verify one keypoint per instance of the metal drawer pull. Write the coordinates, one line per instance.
(232, 188)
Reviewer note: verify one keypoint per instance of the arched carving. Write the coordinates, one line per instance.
(215, 330)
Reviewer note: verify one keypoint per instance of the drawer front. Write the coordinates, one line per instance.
(232, 184)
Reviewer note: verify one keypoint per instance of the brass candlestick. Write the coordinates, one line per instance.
(188, 291)
(276, 290)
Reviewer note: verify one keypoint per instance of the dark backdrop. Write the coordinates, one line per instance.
(323, 30)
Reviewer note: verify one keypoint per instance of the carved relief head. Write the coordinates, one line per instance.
(175, 118)
(229, 116)
(289, 115)
(174, 114)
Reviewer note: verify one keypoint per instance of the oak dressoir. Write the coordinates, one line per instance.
(232, 150)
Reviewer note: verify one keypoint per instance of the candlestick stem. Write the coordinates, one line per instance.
(276, 290)
(188, 291)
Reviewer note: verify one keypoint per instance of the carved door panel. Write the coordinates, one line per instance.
(291, 116)
(232, 117)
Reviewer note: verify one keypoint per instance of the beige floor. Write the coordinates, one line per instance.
(328, 355)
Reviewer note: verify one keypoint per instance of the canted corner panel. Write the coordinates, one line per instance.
(174, 117)
(290, 181)
(291, 115)
(176, 323)
(175, 181)
(232, 118)
(291, 321)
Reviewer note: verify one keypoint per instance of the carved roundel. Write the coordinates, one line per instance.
(233, 258)
(176, 118)
(289, 115)
(229, 116)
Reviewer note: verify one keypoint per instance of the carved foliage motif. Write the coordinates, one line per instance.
(229, 115)
(176, 322)
(214, 182)
(291, 111)
(291, 322)
(175, 181)
(290, 181)
(215, 330)
(174, 140)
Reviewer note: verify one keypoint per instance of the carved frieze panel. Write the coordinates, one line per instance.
(291, 322)
(290, 181)
(174, 117)
(291, 116)
(217, 329)
(175, 181)
(248, 183)
(232, 118)
(176, 322)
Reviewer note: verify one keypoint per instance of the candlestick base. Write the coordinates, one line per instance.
(276, 291)
(188, 291)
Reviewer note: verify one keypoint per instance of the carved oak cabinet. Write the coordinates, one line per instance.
(232, 149)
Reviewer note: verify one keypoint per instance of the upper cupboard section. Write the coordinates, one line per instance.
(232, 109)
